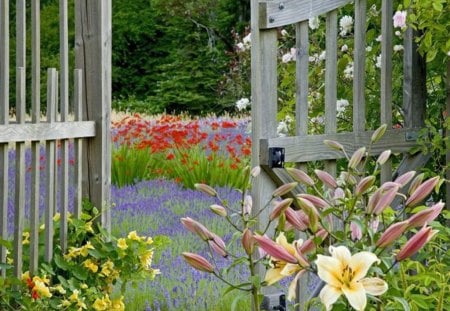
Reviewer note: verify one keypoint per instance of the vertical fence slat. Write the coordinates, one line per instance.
(302, 67)
(64, 108)
(50, 168)
(20, 175)
(78, 143)
(359, 78)
(4, 119)
(35, 146)
(386, 76)
(331, 81)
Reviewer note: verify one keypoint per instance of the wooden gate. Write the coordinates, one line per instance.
(48, 137)
(267, 18)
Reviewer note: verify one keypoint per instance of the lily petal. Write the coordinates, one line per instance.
(374, 286)
(356, 295)
(341, 253)
(293, 286)
(329, 269)
(273, 275)
(329, 295)
(290, 269)
(361, 263)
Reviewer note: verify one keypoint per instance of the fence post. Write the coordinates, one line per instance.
(93, 56)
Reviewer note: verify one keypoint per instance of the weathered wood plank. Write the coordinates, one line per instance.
(386, 77)
(50, 168)
(359, 77)
(19, 203)
(35, 146)
(78, 143)
(279, 13)
(93, 52)
(46, 131)
(312, 148)
(64, 108)
(4, 118)
(302, 69)
(21, 31)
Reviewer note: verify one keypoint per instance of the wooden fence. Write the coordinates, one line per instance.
(88, 130)
(267, 19)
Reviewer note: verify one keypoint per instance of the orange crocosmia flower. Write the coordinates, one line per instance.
(234, 166)
(228, 124)
(170, 156)
(34, 294)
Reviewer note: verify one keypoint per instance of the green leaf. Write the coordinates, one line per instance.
(235, 302)
(80, 273)
(403, 302)
(61, 263)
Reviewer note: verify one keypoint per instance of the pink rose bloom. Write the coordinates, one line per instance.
(400, 19)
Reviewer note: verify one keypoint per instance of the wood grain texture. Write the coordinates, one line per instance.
(280, 13)
(4, 113)
(302, 73)
(78, 143)
(359, 77)
(312, 148)
(93, 55)
(46, 131)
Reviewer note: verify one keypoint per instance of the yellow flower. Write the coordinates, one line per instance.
(107, 267)
(149, 241)
(57, 217)
(74, 296)
(84, 286)
(26, 238)
(84, 249)
(41, 288)
(117, 304)
(133, 236)
(65, 303)
(25, 276)
(146, 259)
(345, 274)
(122, 243)
(73, 253)
(60, 289)
(102, 304)
(88, 227)
(88, 263)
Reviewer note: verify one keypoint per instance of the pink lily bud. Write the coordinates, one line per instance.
(326, 178)
(364, 185)
(247, 241)
(379, 132)
(309, 245)
(348, 178)
(374, 224)
(283, 189)
(426, 216)
(373, 201)
(218, 245)
(274, 250)
(356, 232)
(416, 242)
(206, 189)
(416, 183)
(296, 219)
(338, 194)
(404, 179)
(389, 185)
(219, 210)
(198, 262)
(255, 171)
(279, 208)
(385, 200)
(333, 144)
(196, 227)
(392, 233)
(300, 176)
(306, 205)
(422, 191)
(356, 158)
(248, 203)
(316, 201)
(383, 157)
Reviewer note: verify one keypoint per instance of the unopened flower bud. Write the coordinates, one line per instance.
(333, 144)
(356, 232)
(279, 208)
(196, 227)
(379, 132)
(422, 191)
(326, 178)
(247, 206)
(298, 219)
(283, 189)
(426, 216)
(356, 158)
(404, 179)
(274, 250)
(392, 233)
(300, 176)
(247, 241)
(383, 157)
(416, 242)
(206, 189)
(385, 200)
(198, 262)
(364, 185)
(218, 245)
(316, 201)
(219, 210)
(416, 183)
